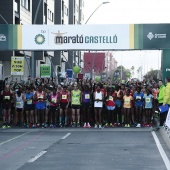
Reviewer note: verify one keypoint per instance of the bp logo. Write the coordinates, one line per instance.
(39, 39)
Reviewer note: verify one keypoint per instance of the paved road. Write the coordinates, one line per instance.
(81, 149)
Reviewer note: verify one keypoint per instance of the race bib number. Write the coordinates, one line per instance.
(7, 97)
(40, 96)
(138, 97)
(18, 103)
(29, 102)
(111, 98)
(127, 101)
(87, 96)
(148, 100)
(64, 97)
(53, 100)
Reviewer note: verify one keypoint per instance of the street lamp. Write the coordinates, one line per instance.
(96, 10)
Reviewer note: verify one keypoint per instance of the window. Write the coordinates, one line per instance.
(25, 4)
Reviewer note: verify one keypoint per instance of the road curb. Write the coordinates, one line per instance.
(163, 133)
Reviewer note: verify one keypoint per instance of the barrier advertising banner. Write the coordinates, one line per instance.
(168, 119)
(17, 65)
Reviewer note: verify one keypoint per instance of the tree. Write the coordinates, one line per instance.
(152, 75)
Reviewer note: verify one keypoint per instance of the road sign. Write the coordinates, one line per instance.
(45, 70)
(80, 76)
(17, 65)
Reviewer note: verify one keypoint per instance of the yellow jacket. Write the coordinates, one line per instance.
(166, 99)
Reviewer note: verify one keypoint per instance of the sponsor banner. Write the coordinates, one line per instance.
(45, 70)
(168, 119)
(60, 37)
(83, 37)
(17, 65)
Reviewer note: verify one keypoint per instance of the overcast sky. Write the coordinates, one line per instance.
(131, 12)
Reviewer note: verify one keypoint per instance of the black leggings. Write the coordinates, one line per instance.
(118, 113)
(110, 116)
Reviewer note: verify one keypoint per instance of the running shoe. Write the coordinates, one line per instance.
(4, 127)
(118, 124)
(111, 125)
(33, 126)
(51, 125)
(54, 126)
(115, 124)
(84, 125)
(128, 125)
(46, 125)
(95, 126)
(106, 125)
(74, 124)
(78, 124)
(8, 126)
(88, 125)
(60, 125)
(138, 125)
(27, 126)
(100, 126)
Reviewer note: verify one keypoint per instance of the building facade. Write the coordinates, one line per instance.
(50, 12)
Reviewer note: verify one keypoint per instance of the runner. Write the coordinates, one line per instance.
(40, 97)
(64, 103)
(6, 106)
(148, 107)
(19, 106)
(98, 105)
(75, 103)
(54, 103)
(138, 97)
(110, 107)
(127, 105)
(85, 105)
(29, 108)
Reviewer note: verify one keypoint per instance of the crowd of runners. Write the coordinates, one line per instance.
(85, 103)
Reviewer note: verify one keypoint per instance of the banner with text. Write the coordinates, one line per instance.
(84, 37)
(17, 66)
(45, 70)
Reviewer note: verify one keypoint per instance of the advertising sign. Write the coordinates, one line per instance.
(45, 70)
(168, 119)
(17, 65)
(80, 76)
(87, 75)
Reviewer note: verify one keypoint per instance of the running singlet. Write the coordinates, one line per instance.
(7, 96)
(127, 101)
(54, 99)
(86, 97)
(110, 101)
(40, 96)
(29, 98)
(75, 98)
(148, 101)
(19, 101)
(64, 97)
(98, 96)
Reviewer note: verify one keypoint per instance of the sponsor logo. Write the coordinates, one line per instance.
(167, 69)
(61, 38)
(156, 36)
(2, 37)
(39, 39)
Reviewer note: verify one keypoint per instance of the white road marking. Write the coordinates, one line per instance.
(161, 150)
(37, 156)
(64, 137)
(13, 139)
